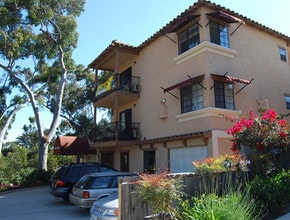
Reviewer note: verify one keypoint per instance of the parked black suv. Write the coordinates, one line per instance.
(66, 176)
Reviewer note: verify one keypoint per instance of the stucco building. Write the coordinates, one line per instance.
(169, 93)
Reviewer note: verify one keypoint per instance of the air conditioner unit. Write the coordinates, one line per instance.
(135, 88)
(135, 133)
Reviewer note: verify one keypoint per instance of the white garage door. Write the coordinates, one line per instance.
(181, 158)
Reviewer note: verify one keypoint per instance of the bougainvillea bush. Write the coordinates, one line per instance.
(267, 135)
(268, 129)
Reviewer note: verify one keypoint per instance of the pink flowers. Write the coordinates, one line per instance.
(268, 129)
(270, 115)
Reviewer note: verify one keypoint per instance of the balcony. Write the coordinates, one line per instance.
(127, 90)
(116, 132)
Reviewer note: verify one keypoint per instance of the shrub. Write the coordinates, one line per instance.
(268, 129)
(235, 202)
(21, 176)
(159, 192)
(273, 192)
(224, 163)
(236, 205)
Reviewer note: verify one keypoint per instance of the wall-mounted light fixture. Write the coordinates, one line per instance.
(163, 109)
(163, 101)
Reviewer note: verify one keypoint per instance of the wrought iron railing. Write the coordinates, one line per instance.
(129, 85)
(118, 131)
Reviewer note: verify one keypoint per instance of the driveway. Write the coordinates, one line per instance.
(37, 203)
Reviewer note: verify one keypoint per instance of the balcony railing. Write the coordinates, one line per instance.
(131, 85)
(118, 131)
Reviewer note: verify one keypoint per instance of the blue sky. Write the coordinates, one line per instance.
(134, 21)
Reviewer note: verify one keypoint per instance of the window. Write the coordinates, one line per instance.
(287, 99)
(149, 162)
(219, 34)
(124, 161)
(224, 95)
(188, 38)
(191, 98)
(282, 54)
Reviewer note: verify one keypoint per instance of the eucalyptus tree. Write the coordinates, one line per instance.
(8, 106)
(8, 115)
(77, 109)
(37, 38)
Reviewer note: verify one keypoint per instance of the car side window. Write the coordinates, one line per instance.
(115, 182)
(102, 182)
(73, 172)
(83, 182)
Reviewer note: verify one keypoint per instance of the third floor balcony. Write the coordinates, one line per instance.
(120, 90)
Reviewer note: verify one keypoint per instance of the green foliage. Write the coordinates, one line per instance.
(234, 205)
(77, 109)
(262, 165)
(159, 192)
(274, 191)
(18, 167)
(37, 38)
(235, 202)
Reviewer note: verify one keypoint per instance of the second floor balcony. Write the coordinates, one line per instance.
(118, 131)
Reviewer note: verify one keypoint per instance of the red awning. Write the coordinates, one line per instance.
(231, 79)
(184, 83)
(181, 22)
(238, 80)
(226, 17)
(72, 145)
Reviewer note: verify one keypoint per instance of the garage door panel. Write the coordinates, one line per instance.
(181, 158)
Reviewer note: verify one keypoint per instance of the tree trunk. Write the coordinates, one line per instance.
(43, 155)
(7, 123)
(45, 140)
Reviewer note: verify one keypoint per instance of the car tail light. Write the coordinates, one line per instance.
(86, 194)
(60, 183)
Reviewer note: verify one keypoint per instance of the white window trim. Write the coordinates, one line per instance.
(207, 112)
(204, 47)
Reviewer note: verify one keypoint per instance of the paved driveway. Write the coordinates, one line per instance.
(37, 203)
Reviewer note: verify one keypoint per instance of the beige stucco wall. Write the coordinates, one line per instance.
(252, 54)
(257, 56)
